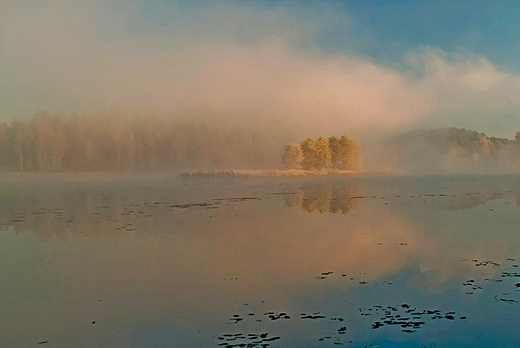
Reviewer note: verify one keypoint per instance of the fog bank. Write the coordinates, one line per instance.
(236, 62)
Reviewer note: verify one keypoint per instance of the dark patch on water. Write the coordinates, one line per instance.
(404, 316)
(250, 340)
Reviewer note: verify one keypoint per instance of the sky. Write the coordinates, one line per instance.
(332, 66)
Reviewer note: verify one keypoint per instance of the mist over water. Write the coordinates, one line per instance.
(104, 103)
(251, 77)
(240, 64)
(290, 262)
(118, 142)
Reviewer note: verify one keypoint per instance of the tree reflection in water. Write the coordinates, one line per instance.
(324, 198)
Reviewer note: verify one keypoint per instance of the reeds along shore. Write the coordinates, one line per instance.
(275, 173)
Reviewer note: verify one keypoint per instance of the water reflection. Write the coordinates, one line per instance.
(209, 263)
(324, 198)
(334, 198)
(105, 212)
(464, 198)
(109, 212)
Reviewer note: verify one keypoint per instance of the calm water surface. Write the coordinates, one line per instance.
(278, 262)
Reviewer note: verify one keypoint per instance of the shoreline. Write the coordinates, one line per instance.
(279, 173)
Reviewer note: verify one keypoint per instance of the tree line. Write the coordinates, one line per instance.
(458, 149)
(336, 153)
(115, 141)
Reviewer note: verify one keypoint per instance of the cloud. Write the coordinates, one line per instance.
(239, 60)
(466, 91)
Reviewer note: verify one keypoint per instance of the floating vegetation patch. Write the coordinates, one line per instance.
(406, 317)
(313, 316)
(264, 340)
(192, 205)
(510, 274)
(277, 316)
(507, 277)
(323, 275)
(237, 199)
(470, 286)
(246, 340)
(486, 263)
(235, 319)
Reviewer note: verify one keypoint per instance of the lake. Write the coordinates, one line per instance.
(162, 261)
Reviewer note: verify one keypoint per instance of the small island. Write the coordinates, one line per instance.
(312, 157)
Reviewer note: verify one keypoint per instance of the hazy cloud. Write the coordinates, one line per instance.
(236, 60)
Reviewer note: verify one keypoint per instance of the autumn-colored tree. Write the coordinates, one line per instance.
(322, 153)
(292, 156)
(316, 154)
(308, 148)
(335, 149)
(116, 141)
(345, 153)
(339, 153)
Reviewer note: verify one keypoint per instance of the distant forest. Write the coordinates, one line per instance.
(453, 149)
(114, 141)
